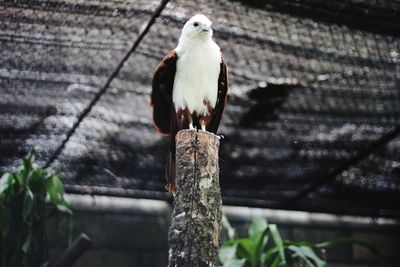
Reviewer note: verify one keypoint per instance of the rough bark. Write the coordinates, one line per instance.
(194, 234)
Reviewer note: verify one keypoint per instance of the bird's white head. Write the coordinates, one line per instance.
(197, 27)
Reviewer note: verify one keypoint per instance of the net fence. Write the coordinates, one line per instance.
(314, 89)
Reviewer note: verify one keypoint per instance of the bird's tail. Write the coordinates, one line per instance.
(170, 173)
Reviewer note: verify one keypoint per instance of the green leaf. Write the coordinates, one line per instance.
(278, 241)
(305, 253)
(37, 184)
(30, 158)
(25, 169)
(24, 195)
(277, 262)
(302, 257)
(21, 177)
(234, 263)
(257, 227)
(27, 244)
(55, 189)
(268, 256)
(28, 204)
(39, 176)
(63, 208)
(228, 227)
(245, 249)
(249, 249)
(260, 247)
(227, 252)
(6, 181)
(258, 239)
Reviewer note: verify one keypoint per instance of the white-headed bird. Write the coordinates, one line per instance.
(189, 87)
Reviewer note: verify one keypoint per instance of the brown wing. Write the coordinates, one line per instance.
(221, 99)
(161, 95)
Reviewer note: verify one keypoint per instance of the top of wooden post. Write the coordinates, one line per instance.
(185, 137)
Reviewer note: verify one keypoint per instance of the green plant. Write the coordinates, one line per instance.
(257, 251)
(27, 199)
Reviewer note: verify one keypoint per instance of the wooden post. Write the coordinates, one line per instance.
(194, 234)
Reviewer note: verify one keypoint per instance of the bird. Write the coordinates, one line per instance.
(189, 87)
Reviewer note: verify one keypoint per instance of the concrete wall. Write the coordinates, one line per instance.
(133, 232)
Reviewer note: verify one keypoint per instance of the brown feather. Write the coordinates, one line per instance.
(221, 99)
(170, 173)
(161, 95)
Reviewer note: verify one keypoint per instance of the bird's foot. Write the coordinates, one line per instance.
(191, 127)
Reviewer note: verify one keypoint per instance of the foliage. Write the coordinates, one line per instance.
(258, 251)
(27, 199)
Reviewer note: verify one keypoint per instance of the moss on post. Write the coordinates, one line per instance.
(194, 234)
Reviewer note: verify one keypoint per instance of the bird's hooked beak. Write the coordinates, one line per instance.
(205, 28)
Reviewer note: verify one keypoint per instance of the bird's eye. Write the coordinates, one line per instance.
(196, 24)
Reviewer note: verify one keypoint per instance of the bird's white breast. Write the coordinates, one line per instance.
(196, 77)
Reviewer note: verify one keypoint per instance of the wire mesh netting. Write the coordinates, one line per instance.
(313, 85)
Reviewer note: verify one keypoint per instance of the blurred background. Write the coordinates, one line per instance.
(312, 122)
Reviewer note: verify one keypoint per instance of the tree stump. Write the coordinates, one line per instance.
(194, 234)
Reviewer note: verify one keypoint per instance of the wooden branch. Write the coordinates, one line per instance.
(194, 234)
(73, 253)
